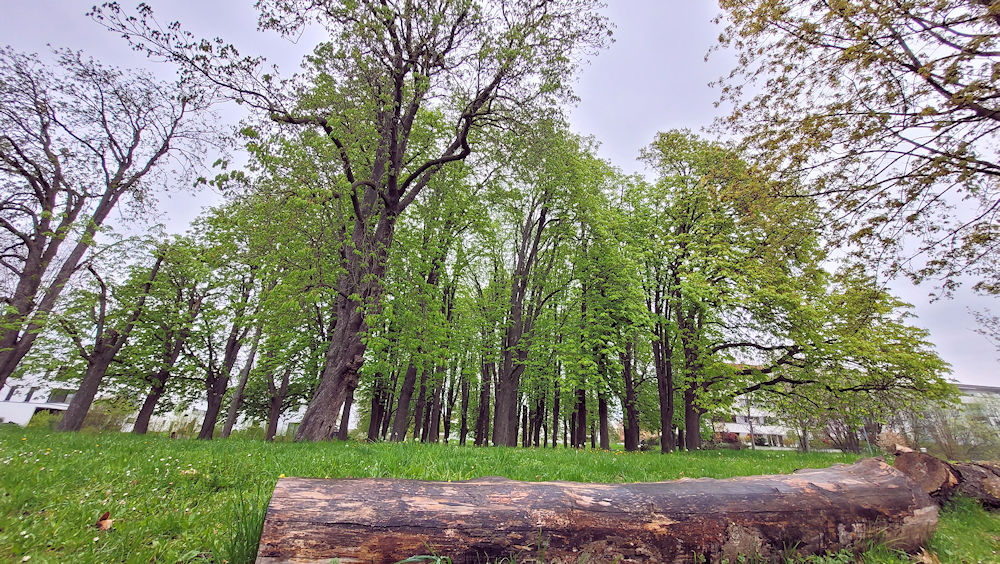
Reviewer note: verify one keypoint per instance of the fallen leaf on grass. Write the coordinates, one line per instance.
(105, 522)
(926, 557)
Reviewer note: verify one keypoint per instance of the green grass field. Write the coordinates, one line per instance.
(194, 501)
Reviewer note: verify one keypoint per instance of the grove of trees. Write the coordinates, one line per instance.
(419, 237)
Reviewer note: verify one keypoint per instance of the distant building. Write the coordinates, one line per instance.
(21, 402)
(749, 420)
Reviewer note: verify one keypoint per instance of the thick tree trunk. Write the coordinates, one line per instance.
(345, 417)
(156, 390)
(97, 367)
(216, 386)
(344, 358)
(692, 420)
(758, 518)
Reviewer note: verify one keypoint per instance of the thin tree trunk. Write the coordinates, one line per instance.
(418, 410)
(276, 398)
(237, 402)
(433, 426)
(377, 409)
(345, 417)
(602, 415)
(555, 412)
(630, 406)
(463, 426)
(400, 422)
(581, 418)
(483, 411)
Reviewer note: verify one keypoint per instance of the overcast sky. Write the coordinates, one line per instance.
(653, 78)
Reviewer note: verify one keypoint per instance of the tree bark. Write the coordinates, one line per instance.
(942, 480)
(844, 507)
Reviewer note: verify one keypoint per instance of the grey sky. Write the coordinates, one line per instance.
(653, 78)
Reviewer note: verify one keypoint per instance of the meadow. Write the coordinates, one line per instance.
(180, 500)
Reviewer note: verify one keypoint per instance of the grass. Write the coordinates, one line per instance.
(196, 501)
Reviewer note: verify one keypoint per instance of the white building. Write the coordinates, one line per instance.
(19, 403)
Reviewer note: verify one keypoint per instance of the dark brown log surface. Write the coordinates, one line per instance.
(383, 520)
(942, 480)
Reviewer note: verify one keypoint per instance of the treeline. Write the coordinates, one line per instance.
(418, 234)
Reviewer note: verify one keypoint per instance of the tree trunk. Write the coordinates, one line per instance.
(463, 426)
(401, 421)
(692, 420)
(662, 353)
(418, 409)
(555, 414)
(340, 372)
(630, 406)
(216, 386)
(758, 518)
(276, 398)
(149, 405)
(97, 367)
(525, 434)
(234, 406)
(434, 424)
(581, 418)
(377, 411)
(602, 416)
(345, 417)
(483, 411)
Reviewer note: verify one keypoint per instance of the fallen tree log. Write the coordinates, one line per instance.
(703, 520)
(942, 480)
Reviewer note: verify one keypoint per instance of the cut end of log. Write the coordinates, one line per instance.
(942, 480)
(381, 520)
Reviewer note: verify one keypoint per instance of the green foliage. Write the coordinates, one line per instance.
(886, 112)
